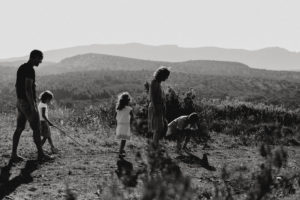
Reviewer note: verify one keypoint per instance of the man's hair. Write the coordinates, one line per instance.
(46, 95)
(36, 54)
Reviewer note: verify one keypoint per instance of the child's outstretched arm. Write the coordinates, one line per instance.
(45, 117)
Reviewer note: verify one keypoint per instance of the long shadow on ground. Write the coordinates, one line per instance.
(8, 186)
(195, 160)
(126, 173)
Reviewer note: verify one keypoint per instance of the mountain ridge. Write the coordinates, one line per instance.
(274, 58)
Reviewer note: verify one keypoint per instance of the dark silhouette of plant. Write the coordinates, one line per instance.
(164, 179)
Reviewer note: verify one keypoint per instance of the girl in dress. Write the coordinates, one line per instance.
(124, 117)
(45, 99)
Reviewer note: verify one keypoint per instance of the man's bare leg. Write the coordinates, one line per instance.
(21, 122)
(16, 138)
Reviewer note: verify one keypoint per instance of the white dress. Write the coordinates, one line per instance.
(123, 123)
(40, 108)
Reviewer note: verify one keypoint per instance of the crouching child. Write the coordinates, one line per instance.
(183, 128)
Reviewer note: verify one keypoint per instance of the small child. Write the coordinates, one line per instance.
(124, 117)
(182, 128)
(45, 99)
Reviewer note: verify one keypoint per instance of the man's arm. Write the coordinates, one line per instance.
(29, 93)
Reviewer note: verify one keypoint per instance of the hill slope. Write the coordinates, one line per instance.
(88, 62)
(98, 85)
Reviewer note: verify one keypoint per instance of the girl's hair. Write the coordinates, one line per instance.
(123, 100)
(161, 73)
(46, 95)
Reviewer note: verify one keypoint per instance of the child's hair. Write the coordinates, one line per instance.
(46, 95)
(193, 117)
(123, 100)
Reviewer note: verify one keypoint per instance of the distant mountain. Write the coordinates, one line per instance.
(269, 58)
(91, 62)
(95, 62)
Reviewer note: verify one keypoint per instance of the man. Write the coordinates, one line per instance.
(26, 106)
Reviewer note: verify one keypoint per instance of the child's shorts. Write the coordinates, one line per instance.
(45, 129)
(172, 133)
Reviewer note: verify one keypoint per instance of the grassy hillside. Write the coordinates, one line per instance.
(98, 85)
(268, 58)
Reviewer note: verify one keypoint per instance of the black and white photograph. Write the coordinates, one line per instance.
(149, 100)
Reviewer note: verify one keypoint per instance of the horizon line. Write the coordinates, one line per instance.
(152, 45)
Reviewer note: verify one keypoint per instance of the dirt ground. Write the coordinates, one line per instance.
(86, 169)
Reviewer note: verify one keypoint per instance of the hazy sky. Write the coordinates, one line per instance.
(52, 24)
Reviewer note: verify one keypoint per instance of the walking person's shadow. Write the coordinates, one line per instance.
(8, 186)
(195, 160)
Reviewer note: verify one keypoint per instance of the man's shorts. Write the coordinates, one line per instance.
(24, 113)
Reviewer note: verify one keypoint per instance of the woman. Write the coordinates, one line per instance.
(157, 123)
